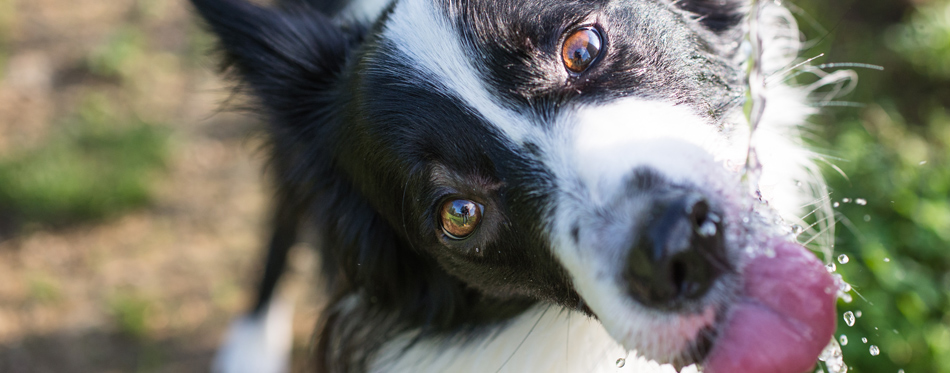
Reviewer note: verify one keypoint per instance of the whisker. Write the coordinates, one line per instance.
(524, 339)
(812, 225)
(817, 235)
(790, 69)
(839, 104)
(567, 342)
(861, 296)
(835, 65)
(853, 229)
(816, 209)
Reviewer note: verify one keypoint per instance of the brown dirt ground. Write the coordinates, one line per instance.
(179, 269)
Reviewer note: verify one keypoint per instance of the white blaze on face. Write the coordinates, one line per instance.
(427, 39)
(603, 145)
(610, 141)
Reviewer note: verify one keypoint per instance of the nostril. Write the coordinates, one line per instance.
(678, 276)
(699, 213)
(679, 254)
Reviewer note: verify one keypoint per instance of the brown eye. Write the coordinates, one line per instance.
(581, 48)
(460, 217)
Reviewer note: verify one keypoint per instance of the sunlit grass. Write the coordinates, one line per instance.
(99, 165)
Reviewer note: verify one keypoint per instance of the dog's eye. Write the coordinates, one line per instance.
(581, 48)
(460, 217)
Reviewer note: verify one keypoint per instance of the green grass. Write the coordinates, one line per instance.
(115, 57)
(98, 166)
(131, 313)
(44, 289)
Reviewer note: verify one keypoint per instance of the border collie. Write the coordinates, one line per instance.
(535, 185)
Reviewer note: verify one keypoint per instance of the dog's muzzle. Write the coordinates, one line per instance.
(679, 252)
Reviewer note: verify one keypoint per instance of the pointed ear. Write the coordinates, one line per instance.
(284, 55)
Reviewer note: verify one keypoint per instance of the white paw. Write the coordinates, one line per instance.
(258, 344)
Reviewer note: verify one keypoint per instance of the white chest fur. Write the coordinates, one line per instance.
(541, 340)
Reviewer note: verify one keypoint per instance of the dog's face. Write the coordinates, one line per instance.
(588, 154)
(506, 137)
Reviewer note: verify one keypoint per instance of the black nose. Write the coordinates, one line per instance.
(679, 253)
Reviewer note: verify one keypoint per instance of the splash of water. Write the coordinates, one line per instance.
(833, 358)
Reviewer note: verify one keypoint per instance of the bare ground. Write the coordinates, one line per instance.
(154, 289)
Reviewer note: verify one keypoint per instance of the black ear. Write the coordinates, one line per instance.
(716, 15)
(285, 56)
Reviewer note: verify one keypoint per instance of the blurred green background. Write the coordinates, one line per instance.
(128, 207)
(894, 152)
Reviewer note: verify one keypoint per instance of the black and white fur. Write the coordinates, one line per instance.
(380, 110)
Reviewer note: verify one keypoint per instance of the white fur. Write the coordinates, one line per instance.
(611, 140)
(431, 45)
(541, 340)
(364, 10)
(258, 345)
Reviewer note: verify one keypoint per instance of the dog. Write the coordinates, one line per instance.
(535, 185)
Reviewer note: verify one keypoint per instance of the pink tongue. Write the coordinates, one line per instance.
(784, 320)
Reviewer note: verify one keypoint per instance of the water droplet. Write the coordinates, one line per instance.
(836, 204)
(900, 371)
(831, 267)
(858, 313)
(621, 362)
(477, 250)
(745, 220)
(921, 163)
(849, 318)
(797, 229)
(843, 259)
(887, 260)
(833, 358)
(867, 217)
(708, 229)
(798, 183)
(861, 201)
(874, 350)
(864, 340)
(845, 200)
(844, 340)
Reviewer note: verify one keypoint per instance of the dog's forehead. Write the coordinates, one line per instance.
(425, 39)
(503, 58)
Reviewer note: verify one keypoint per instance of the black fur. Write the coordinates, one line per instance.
(365, 155)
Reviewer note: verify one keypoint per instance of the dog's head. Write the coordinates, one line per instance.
(588, 154)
